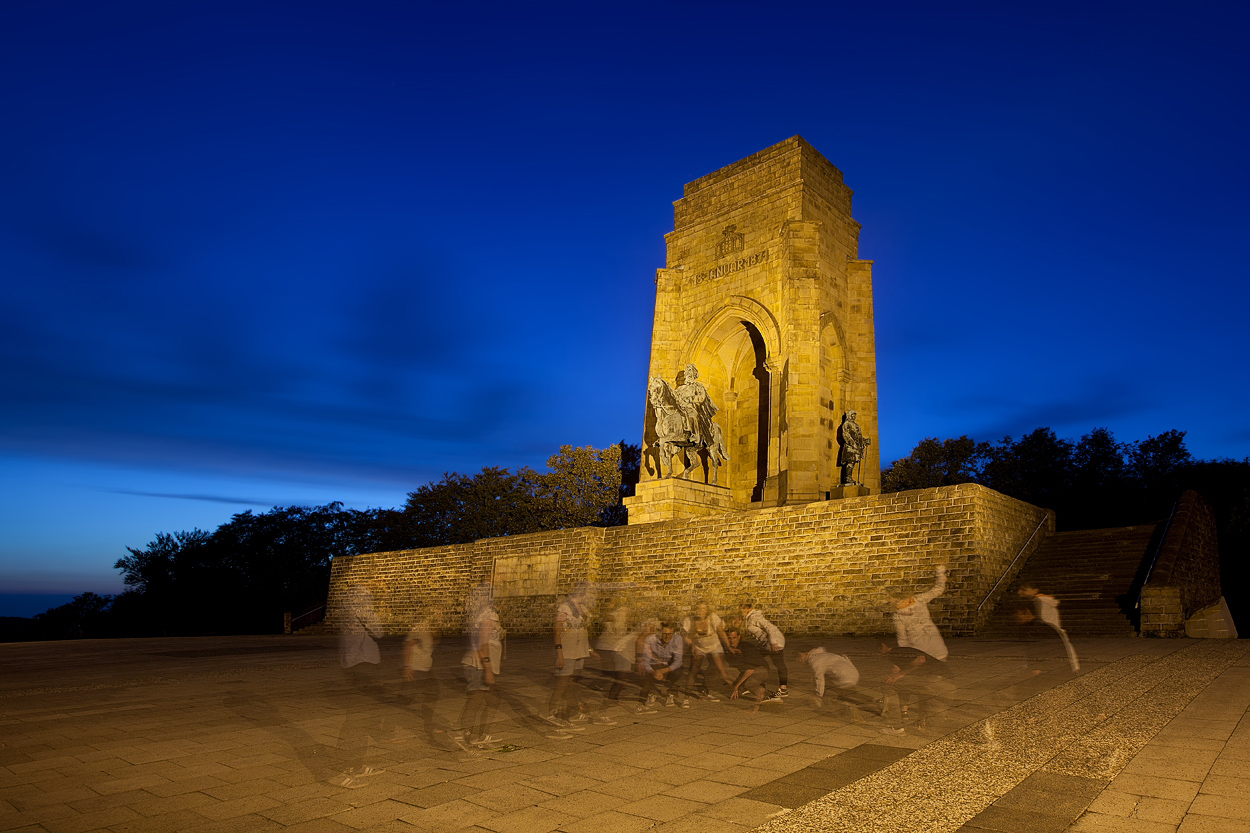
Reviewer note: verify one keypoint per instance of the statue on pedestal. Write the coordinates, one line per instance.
(683, 421)
(852, 445)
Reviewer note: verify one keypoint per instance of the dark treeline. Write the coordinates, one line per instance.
(1094, 482)
(242, 577)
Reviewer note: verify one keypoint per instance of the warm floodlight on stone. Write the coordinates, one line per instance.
(764, 293)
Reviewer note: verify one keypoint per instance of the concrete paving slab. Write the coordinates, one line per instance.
(216, 735)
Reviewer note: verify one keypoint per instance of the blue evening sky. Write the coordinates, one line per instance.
(261, 253)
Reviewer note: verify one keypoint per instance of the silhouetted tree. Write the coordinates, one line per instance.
(85, 616)
(461, 508)
(1101, 484)
(156, 567)
(280, 560)
(1158, 465)
(631, 472)
(1095, 482)
(1037, 468)
(241, 577)
(935, 462)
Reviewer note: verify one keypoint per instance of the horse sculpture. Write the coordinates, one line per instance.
(675, 436)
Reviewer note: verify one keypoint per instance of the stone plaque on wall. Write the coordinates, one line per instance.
(526, 575)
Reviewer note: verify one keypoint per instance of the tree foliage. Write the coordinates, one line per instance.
(462, 508)
(245, 574)
(242, 576)
(1096, 482)
(582, 487)
(935, 462)
(85, 616)
(1092, 482)
(166, 560)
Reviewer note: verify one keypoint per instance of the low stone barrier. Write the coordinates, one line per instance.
(816, 568)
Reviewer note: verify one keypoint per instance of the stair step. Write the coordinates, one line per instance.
(1088, 571)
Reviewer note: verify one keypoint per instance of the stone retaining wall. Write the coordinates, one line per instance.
(1186, 574)
(817, 568)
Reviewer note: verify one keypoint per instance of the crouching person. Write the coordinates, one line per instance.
(661, 666)
(752, 667)
(839, 674)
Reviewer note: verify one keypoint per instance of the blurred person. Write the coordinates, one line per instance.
(918, 655)
(839, 672)
(770, 640)
(572, 647)
(646, 629)
(420, 682)
(360, 660)
(704, 632)
(615, 647)
(1036, 637)
(480, 664)
(913, 624)
(1046, 608)
(905, 685)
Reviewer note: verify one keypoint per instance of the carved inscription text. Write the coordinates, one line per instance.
(732, 266)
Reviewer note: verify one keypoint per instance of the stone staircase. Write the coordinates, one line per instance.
(1093, 573)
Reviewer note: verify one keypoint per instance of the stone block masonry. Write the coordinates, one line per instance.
(822, 568)
(764, 292)
(1189, 558)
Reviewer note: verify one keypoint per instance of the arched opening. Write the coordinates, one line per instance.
(736, 358)
(833, 385)
(732, 351)
(759, 372)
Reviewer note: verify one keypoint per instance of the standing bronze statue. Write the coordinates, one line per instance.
(683, 421)
(852, 445)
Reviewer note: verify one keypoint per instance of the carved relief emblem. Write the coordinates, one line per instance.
(730, 242)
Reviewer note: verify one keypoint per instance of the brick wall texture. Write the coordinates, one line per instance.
(822, 568)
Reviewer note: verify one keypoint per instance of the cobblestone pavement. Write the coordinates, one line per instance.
(247, 734)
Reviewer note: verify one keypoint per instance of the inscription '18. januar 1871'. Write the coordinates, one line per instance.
(732, 266)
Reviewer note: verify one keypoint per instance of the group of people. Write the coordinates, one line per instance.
(639, 665)
(660, 661)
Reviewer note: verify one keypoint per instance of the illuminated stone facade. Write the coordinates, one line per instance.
(764, 292)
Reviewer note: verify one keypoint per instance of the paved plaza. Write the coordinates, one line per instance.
(245, 734)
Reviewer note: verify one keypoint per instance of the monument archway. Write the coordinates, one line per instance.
(732, 351)
(763, 292)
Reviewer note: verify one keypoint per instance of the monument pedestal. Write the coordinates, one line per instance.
(839, 492)
(672, 498)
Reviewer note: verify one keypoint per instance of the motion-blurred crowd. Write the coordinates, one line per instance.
(610, 661)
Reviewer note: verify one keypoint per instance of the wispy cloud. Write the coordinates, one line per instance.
(238, 501)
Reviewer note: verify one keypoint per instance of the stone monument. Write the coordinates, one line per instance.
(764, 309)
(761, 406)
